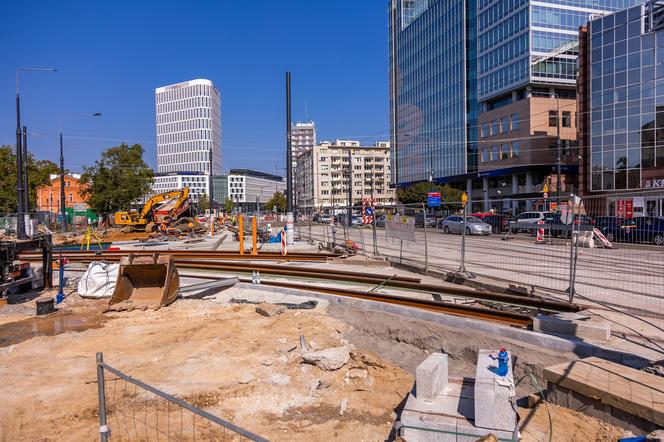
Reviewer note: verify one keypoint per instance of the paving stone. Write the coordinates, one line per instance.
(431, 376)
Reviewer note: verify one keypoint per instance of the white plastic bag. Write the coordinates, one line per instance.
(99, 280)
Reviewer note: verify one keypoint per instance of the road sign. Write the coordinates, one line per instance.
(433, 199)
(546, 195)
(545, 190)
(464, 199)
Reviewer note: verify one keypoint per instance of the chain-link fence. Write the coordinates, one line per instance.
(133, 410)
(607, 249)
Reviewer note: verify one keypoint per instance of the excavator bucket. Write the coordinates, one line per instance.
(145, 282)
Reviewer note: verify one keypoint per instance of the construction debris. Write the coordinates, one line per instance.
(329, 359)
(269, 310)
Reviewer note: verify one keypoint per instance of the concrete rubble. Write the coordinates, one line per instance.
(329, 359)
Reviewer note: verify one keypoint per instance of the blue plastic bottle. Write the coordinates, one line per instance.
(503, 360)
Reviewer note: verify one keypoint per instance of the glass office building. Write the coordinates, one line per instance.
(522, 42)
(433, 87)
(626, 90)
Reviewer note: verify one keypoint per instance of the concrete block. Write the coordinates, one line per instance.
(578, 326)
(493, 394)
(431, 376)
(421, 427)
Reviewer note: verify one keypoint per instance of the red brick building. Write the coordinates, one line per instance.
(48, 197)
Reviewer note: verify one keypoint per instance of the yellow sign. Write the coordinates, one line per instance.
(464, 198)
(545, 189)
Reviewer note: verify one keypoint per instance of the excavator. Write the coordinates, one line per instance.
(166, 207)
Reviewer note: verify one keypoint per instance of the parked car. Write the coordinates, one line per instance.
(555, 227)
(528, 218)
(324, 218)
(473, 225)
(647, 229)
(430, 220)
(498, 223)
(607, 221)
(356, 220)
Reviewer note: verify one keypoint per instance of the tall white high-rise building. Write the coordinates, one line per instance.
(188, 129)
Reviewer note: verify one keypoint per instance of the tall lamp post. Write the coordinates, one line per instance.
(21, 156)
(63, 214)
(558, 144)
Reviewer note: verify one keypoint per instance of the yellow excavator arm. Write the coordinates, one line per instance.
(142, 218)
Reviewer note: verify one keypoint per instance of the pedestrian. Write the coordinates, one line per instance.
(192, 234)
(164, 231)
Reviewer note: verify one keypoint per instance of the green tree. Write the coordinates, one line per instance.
(117, 180)
(228, 205)
(417, 193)
(38, 176)
(278, 200)
(203, 203)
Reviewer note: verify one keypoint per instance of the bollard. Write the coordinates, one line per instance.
(462, 267)
(254, 247)
(240, 226)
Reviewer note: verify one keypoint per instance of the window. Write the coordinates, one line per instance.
(504, 125)
(71, 197)
(485, 155)
(516, 149)
(553, 119)
(567, 119)
(515, 121)
(504, 151)
(494, 127)
(485, 130)
(494, 153)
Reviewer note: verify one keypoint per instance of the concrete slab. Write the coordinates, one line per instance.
(581, 326)
(613, 385)
(431, 376)
(493, 393)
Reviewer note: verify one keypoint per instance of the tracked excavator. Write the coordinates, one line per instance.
(167, 207)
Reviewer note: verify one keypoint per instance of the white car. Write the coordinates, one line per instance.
(529, 218)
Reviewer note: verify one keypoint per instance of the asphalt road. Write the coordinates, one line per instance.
(629, 276)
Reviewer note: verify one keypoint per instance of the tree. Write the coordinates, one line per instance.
(203, 203)
(117, 180)
(278, 200)
(417, 193)
(228, 205)
(38, 175)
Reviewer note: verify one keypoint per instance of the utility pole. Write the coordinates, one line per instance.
(290, 225)
(63, 214)
(26, 188)
(350, 187)
(20, 224)
(558, 145)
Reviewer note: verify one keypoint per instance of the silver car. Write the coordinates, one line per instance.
(473, 225)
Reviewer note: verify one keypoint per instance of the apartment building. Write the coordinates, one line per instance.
(323, 176)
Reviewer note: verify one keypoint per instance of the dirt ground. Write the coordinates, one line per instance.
(228, 360)
(234, 363)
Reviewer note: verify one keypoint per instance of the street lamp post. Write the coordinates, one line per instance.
(63, 214)
(21, 156)
(558, 144)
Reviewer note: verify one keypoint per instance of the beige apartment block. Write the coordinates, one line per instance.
(322, 175)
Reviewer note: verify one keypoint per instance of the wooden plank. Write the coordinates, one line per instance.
(618, 386)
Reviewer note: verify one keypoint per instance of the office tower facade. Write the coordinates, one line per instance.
(621, 90)
(247, 188)
(433, 87)
(527, 67)
(303, 137)
(188, 118)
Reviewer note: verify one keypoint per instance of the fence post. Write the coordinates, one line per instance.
(426, 247)
(375, 240)
(462, 267)
(309, 220)
(103, 428)
(570, 289)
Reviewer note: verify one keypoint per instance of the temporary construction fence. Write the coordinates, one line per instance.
(569, 259)
(133, 410)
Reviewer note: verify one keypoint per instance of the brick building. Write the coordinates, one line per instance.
(48, 197)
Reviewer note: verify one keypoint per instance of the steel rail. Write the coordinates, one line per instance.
(539, 304)
(505, 317)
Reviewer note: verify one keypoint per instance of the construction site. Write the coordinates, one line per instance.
(214, 332)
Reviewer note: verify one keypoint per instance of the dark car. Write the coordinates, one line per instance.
(607, 221)
(498, 223)
(648, 229)
(554, 226)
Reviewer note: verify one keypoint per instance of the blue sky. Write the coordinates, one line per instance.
(111, 55)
